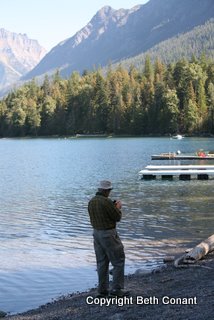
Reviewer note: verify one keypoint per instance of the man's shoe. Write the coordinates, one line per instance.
(102, 294)
(119, 293)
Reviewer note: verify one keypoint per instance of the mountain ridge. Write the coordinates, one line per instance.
(113, 35)
(18, 55)
(105, 16)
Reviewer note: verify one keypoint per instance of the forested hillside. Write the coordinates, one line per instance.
(195, 42)
(161, 99)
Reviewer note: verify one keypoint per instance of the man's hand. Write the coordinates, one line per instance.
(118, 204)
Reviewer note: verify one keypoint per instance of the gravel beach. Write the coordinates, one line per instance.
(170, 293)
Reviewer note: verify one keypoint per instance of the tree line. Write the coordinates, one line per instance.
(161, 99)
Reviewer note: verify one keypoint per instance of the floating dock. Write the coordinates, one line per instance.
(184, 172)
(173, 156)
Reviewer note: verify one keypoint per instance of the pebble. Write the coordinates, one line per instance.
(2, 314)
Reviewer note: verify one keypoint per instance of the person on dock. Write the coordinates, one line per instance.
(104, 214)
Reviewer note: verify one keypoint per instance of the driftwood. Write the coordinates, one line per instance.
(196, 253)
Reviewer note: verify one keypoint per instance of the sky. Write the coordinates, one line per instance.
(52, 21)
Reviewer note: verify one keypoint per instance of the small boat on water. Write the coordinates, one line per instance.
(178, 137)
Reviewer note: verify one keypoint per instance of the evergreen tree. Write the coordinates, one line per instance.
(169, 112)
(191, 117)
(100, 104)
(202, 107)
(211, 107)
(48, 108)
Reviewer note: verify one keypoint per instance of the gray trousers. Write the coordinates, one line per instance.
(109, 248)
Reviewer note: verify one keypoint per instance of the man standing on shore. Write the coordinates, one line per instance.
(104, 214)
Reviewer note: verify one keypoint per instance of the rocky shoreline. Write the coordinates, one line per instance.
(171, 293)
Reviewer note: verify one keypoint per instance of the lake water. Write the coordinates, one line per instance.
(46, 238)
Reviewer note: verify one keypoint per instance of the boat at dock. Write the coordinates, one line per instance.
(199, 171)
(183, 156)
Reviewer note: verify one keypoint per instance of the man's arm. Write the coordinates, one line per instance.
(114, 210)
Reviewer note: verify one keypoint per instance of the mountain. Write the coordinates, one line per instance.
(193, 43)
(18, 55)
(114, 35)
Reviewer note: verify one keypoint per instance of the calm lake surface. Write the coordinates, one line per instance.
(46, 238)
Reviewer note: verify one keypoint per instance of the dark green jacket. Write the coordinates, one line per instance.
(103, 212)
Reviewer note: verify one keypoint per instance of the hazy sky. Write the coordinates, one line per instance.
(52, 21)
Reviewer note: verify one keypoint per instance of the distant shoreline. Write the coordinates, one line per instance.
(79, 136)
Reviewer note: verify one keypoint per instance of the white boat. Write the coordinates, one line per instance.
(178, 137)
